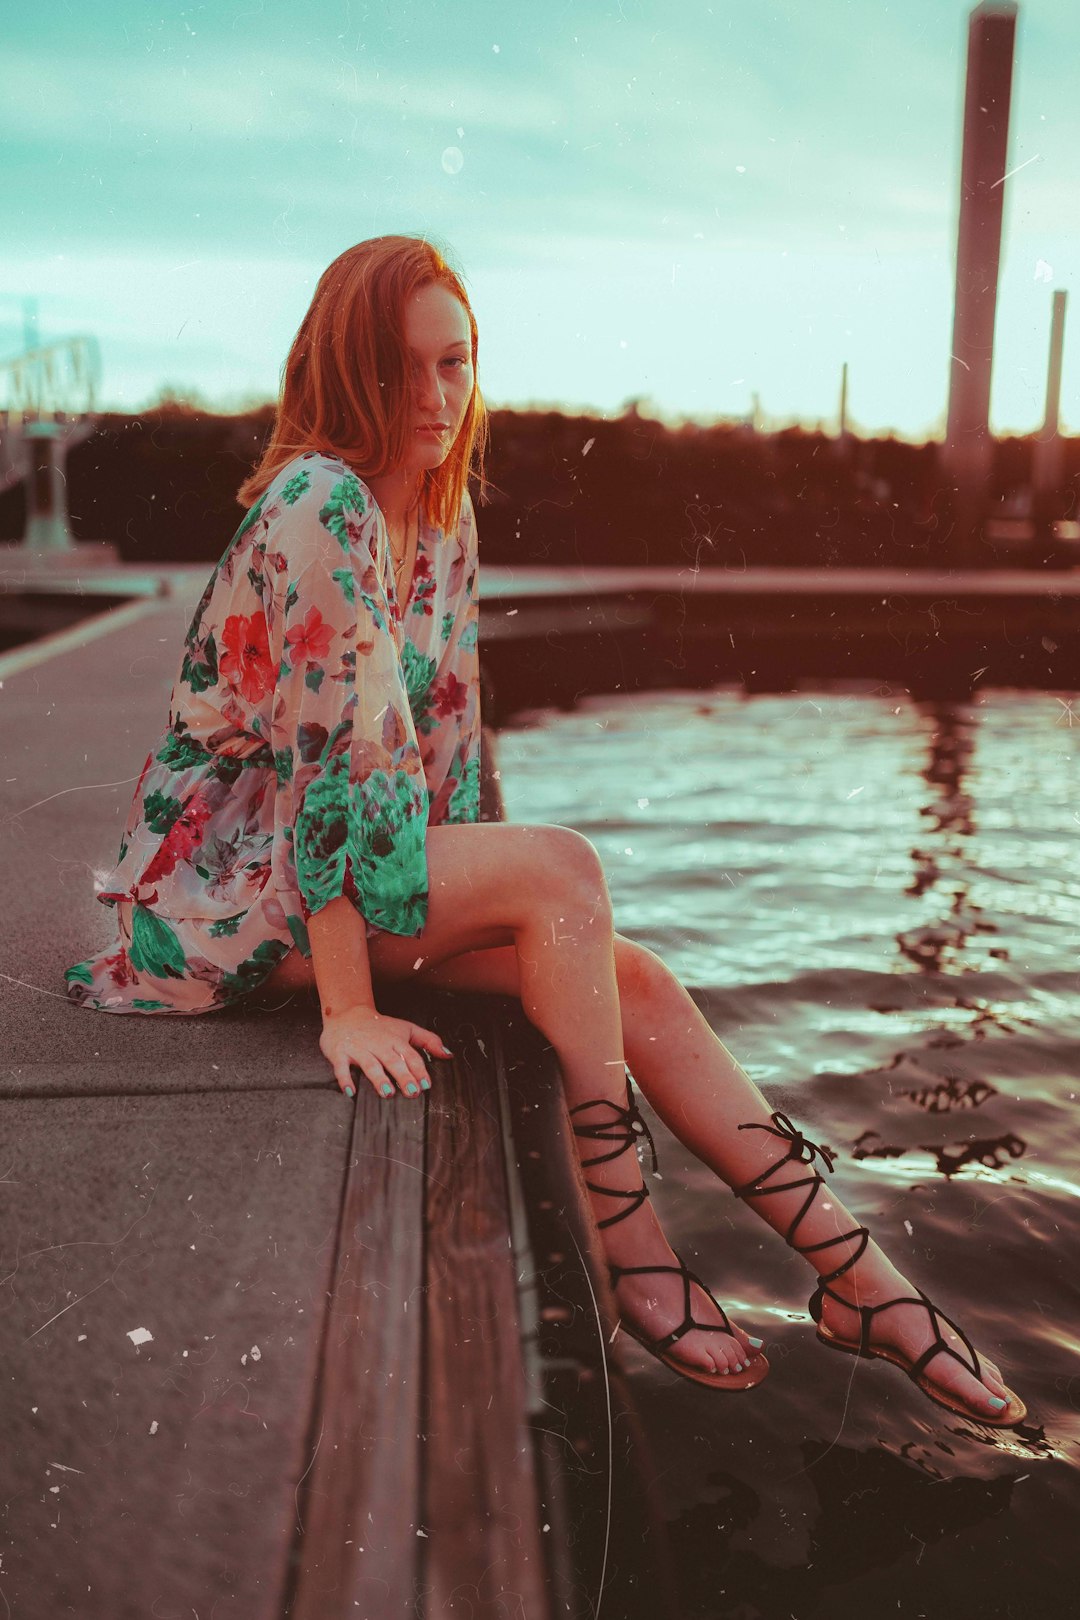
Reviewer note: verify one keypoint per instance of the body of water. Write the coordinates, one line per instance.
(876, 904)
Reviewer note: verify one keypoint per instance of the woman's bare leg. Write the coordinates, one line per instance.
(568, 989)
(544, 888)
(704, 1096)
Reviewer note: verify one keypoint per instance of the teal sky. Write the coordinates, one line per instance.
(656, 198)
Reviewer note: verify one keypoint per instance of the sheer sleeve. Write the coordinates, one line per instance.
(351, 806)
(455, 692)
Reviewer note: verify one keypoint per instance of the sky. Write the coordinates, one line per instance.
(687, 204)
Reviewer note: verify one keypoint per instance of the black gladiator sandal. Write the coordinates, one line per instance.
(802, 1151)
(622, 1129)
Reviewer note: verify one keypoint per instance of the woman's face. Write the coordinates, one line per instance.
(438, 336)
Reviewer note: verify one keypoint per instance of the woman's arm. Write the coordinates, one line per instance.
(339, 955)
(354, 1032)
(350, 807)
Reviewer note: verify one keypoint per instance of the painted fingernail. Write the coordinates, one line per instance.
(410, 1089)
(425, 1085)
(386, 1088)
(997, 1403)
(757, 1343)
(349, 1092)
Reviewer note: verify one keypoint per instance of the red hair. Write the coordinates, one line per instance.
(345, 383)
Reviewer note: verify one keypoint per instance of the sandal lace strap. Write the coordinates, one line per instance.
(688, 1321)
(626, 1125)
(800, 1146)
(971, 1364)
(801, 1150)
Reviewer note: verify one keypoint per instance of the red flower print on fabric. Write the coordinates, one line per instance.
(449, 696)
(311, 639)
(245, 663)
(119, 968)
(182, 839)
(423, 586)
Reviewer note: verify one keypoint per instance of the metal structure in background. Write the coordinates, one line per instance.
(968, 446)
(48, 399)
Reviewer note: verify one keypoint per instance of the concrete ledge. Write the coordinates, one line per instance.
(343, 1299)
(167, 1264)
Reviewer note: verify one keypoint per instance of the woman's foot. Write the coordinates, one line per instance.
(863, 1304)
(654, 1303)
(908, 1330)
(666, 1308)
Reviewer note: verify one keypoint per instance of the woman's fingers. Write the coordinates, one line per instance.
(397, 1064)
(392, 1073)
(428, 1039)
(406, 1063)
(369, 1067)
(376, 1074)
(343, 1076)
(408, 1069)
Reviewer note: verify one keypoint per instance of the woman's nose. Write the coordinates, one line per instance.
(429, 391)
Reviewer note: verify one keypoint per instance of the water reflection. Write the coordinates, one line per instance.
(949, 815)
(945, 1095)
(950, 1158)
(938, 947)
(876, 905)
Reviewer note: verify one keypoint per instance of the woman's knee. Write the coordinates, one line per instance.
(642, 975)
(570, 869)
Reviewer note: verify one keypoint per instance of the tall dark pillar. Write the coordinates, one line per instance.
(968, 446)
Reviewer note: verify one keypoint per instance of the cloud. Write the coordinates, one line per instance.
(777, 168)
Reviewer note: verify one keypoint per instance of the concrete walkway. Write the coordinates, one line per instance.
(135, 1151)
(230, 1386)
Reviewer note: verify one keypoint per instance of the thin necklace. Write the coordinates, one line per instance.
(400, 564)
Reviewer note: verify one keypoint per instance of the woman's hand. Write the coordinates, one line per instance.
(382, 1047)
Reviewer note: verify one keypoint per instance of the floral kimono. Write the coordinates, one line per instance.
(314, 734)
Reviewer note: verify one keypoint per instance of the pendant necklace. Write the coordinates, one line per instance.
(401, 566)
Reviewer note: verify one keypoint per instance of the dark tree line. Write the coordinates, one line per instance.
(567, 490)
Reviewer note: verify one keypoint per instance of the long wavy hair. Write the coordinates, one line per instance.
(346, 383)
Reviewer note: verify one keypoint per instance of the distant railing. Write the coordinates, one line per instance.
(48, 401)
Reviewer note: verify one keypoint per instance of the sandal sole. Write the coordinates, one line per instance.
(1014, 1413)
(731, 1383)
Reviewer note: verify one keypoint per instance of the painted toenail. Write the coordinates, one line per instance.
(997, 1403)
(755, 1343)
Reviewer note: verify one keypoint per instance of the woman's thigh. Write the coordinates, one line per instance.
(485, 879)
(495, 970)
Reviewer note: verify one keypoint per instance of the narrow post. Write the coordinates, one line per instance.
(968, 446)
(844, 450)
(1048, 449)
